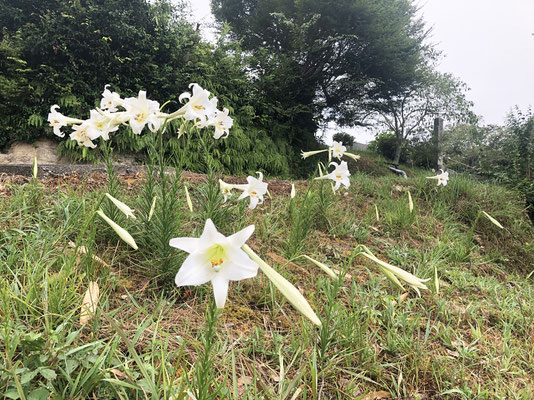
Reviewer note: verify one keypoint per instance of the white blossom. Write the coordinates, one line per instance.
(216, 258)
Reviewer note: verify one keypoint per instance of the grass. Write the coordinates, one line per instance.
(151, 340)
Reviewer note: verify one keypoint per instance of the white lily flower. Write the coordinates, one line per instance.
(311, 153)
(293, 191)
(222, 123)
(256, 189)
(442, 178)
(100, 125)
(340, 175)
(110, 100)
(200, 106)
(216, 258)
(141, 112)
(123, 233)
(355, 157)
(80, 134)
(337, 150)
(121, 206)
(58, 120)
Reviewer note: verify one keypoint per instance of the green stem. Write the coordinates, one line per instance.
(204, 376)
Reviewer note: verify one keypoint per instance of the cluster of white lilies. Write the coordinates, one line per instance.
(340, 174)
(138, 112)
(213, 256)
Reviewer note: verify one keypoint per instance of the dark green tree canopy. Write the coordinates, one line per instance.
(326, 55)
(345, 138)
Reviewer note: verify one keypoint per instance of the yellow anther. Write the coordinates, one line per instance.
(215, 263)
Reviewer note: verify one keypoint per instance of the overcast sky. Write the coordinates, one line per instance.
(489, 44)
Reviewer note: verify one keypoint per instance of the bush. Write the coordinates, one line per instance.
(384, 144)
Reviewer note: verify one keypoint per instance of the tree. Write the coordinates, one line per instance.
(411, 111)
(502, 153)
(313, 58)
(345, 138)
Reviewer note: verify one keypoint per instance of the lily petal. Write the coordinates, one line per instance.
(194, 271)
(242, 267)
(220, 290)
(210, 233)
(238, 239)
(185, 243)
(253, 202)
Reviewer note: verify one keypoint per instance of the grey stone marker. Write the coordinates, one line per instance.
(438, 140)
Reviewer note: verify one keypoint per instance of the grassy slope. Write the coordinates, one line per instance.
(473, 339)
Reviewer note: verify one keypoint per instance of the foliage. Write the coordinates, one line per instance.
(148, 342)
(65, 52)
(385, 144)
(315, 60)
(68, 51)
(346, 138)
(504, 154)
(412, 111)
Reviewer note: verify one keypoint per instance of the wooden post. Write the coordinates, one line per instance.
(438, 140)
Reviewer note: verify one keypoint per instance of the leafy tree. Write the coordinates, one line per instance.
(314, 59)
(502, 153)
(384, 144)
(413, 110)
(346, 138)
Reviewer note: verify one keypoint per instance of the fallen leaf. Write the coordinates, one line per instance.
(118, 373)
(83, 250)
(403, 296)
(90, 301)
(244, 380)
(280, 260)
(381, 394)
(453, 354)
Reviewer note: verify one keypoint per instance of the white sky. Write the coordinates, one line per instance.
(489, 44)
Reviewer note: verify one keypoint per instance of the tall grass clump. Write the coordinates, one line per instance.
(302, 216)
(162, 210)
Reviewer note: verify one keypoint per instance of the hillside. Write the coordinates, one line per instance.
(470, 335)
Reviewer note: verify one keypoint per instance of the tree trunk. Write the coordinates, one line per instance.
(398, 150)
